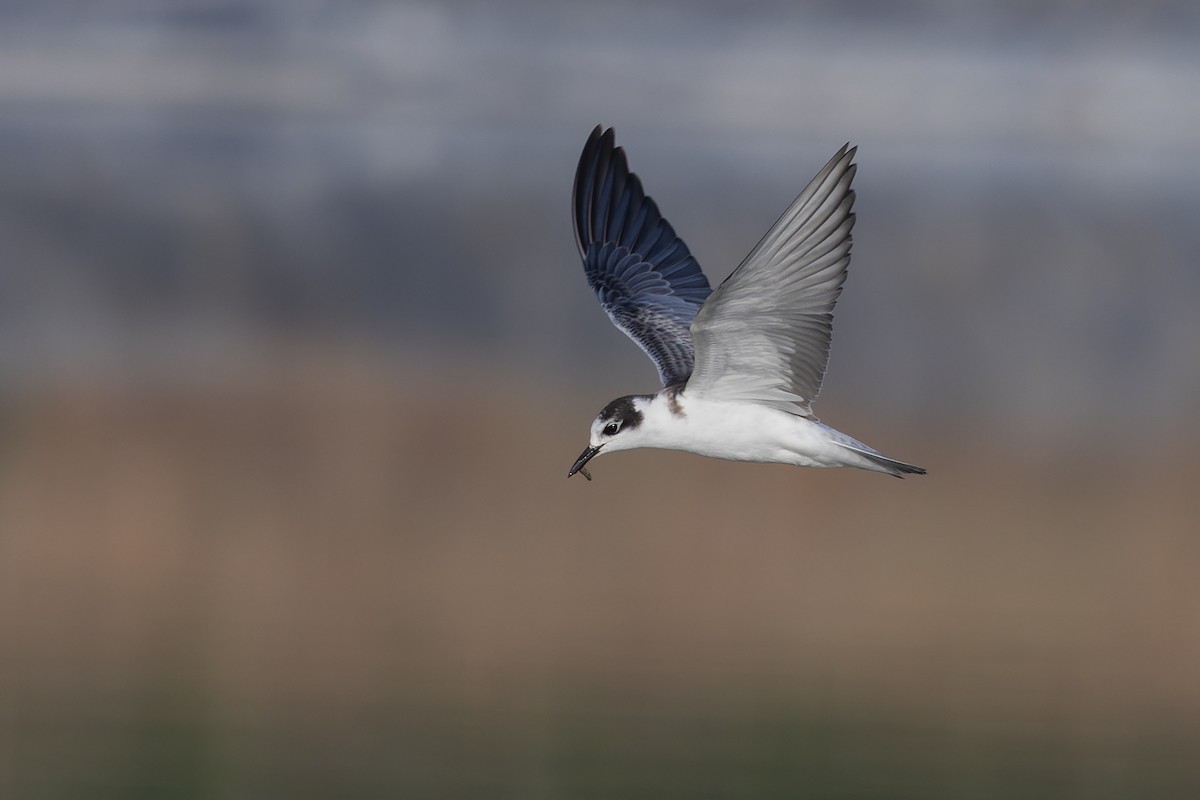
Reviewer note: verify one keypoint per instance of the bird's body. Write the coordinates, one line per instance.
(739, 431)
(740, 366)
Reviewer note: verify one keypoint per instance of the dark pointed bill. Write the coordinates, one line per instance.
(584, 457)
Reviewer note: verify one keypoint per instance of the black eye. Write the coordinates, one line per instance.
(611, 429)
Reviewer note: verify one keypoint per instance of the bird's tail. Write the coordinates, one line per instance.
(881, 463)
(869, 457)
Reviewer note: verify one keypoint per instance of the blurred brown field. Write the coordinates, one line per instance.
(341, 575)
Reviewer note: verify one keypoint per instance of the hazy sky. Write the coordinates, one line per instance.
(183, 181)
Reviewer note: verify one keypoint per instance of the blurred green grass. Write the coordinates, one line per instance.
(337, 577)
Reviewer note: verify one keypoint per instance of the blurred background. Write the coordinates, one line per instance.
(295, 351)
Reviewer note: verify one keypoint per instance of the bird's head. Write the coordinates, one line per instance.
(616, 427)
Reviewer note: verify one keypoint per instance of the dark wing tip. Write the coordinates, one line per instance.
(602, 166)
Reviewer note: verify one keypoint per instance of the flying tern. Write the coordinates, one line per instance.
(740, 365)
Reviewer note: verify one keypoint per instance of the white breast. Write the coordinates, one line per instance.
(738, 432)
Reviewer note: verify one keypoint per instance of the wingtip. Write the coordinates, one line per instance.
(600, 138)
(605, 137)
(596, 133)
(601, 179)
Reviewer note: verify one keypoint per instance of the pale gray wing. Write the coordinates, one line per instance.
(763, 335)
(643, 274)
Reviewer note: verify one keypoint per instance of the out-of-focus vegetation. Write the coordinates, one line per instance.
(339, 578)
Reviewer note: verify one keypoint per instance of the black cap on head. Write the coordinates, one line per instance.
(623, 411)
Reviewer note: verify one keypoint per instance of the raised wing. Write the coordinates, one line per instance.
(644, 275)
(764, 334)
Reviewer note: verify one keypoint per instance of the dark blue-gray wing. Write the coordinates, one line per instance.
(643, 274)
